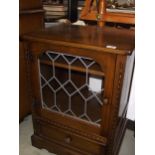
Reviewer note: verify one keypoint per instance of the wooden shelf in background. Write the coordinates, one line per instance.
(73, 68)
(120, 17)
(104, 14)
(31, 11)
(128, 18)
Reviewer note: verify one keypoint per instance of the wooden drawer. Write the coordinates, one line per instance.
(30, 22)
(29, 4)
(71, 140)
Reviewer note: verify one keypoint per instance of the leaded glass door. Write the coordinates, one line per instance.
(71, 85)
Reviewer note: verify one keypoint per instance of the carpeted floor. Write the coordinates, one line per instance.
(25, 147)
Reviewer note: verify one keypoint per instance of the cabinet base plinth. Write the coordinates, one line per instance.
(54, 147)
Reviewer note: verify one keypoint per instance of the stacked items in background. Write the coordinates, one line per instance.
(54, 10)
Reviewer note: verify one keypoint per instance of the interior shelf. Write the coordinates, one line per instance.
(73, 68)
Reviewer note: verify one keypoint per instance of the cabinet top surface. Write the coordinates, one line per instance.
(111, 40)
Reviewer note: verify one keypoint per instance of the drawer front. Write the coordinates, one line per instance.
(72, 140)
(30, 22)
(29, 4)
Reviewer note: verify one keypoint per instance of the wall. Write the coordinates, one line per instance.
(131, 108)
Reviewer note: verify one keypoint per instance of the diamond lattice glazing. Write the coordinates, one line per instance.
(65, 88)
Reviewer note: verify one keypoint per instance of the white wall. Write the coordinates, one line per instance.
(131, 107)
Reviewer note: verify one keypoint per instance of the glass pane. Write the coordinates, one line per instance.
(67, 87)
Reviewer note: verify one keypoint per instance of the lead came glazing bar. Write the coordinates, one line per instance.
(65, 85)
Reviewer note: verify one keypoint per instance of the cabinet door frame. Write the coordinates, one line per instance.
(107, 64)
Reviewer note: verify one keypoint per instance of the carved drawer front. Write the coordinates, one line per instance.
(71, 140)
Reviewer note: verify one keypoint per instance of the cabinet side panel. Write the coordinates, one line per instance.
(126, 84)
(113, 117)
(121, 117)
(24, 98)
(123, 74)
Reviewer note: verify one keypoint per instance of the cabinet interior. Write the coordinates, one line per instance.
(68, 85)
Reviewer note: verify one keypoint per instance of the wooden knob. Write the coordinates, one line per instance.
(105, 101)
(68, 139)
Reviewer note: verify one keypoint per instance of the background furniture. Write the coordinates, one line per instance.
(30, 19)
(70, 115)
(97, 10)
(54, 10)
(73, 10)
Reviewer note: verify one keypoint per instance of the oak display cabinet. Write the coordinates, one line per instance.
(80, 78)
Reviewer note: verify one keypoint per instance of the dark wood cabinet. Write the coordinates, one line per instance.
(80, 78)
(30, 19)
(30, 4)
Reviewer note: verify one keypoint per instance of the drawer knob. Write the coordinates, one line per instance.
(105, 101)
(68, 139)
